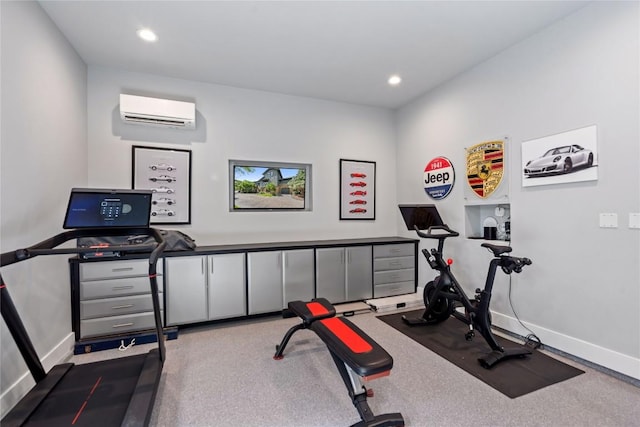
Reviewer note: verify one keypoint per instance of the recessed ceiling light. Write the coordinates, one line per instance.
(147, 35)
(395, 80)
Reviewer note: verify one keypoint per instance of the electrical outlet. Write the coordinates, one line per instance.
(634, 220)
(608, 220)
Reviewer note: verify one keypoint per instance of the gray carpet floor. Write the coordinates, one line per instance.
(224, 375)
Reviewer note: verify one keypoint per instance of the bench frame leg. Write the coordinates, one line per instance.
(285, 340)
(358, 393)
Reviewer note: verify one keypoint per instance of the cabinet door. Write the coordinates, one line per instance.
(330, 274)
(186, 289)
(264, 281)
(298, 277)
(226, 286)
(359, 273)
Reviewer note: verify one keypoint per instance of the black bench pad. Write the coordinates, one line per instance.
(351, 345)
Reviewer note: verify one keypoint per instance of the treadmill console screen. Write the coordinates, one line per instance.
(91, 208)
(422, 216)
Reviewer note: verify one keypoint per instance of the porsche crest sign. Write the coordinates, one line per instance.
(485, 167)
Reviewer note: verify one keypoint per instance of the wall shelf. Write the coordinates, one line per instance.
(497, 215)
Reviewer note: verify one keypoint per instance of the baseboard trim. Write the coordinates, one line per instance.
(58, 354)
(610, 359)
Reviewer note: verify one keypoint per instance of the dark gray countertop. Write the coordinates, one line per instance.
(269, 246)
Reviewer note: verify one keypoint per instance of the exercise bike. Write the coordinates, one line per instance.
(444, 295)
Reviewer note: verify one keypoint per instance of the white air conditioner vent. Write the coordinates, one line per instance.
(157, 112)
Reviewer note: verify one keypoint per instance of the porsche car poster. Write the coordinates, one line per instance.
(561, 158)
(485, 167)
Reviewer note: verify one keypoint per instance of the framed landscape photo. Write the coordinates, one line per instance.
(269, 186)
(167, 173)
(357, 189)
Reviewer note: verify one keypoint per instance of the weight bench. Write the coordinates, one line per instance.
(357, 357)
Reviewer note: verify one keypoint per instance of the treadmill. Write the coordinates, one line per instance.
(116, 392)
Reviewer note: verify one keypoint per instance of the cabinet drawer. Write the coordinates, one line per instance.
(393, 276)
(116, 269)
(116, 287)
(398, 263)
(391, 289)
(387, 251)
(116, 306)
(117, 324)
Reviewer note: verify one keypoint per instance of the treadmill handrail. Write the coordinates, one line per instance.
(49, 246)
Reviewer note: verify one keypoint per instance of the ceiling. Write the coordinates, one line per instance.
(336, 50)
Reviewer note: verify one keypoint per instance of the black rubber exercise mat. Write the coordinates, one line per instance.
(512, 377)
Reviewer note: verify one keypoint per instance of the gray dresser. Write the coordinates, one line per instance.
(394, 271)
(115, 297)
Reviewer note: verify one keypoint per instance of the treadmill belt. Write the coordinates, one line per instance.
(92, 394)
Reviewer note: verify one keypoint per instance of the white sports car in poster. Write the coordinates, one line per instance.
(561, 158)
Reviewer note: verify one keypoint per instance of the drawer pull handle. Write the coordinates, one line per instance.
(120, 288)
(122, 325)
(122, 269)
(395, 263)
(117, 307)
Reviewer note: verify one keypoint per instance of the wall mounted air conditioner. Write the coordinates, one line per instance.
(157, 112)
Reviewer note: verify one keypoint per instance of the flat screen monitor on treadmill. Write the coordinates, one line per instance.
(422, 216)
(91, 208)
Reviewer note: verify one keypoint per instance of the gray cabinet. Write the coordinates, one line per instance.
(359, 283)
(115, 297)
(226, 286)
(344, 273)
(186, 291)
(264, 281)
(330, 277)
(298, 279)
(206, 287)
(218, 282)
(276, 277)
(393, 269)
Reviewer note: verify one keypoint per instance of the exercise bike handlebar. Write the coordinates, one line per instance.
(439, 235)
(511, 264)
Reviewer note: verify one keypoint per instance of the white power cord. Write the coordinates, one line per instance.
(126, 347)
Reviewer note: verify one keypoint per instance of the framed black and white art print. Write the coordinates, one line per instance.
(357, 189)
(167, 173)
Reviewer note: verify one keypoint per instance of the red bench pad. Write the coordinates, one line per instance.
(354, 347)
(319, 308)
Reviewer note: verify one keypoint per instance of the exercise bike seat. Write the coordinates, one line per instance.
(497, 249)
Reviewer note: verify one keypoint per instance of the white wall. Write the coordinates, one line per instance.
(43, 155)
(245, 124)
(582, 293)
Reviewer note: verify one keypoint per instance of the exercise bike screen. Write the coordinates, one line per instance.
(422, 216)
(89, 208)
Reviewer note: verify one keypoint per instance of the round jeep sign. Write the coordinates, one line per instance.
(439, 177)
